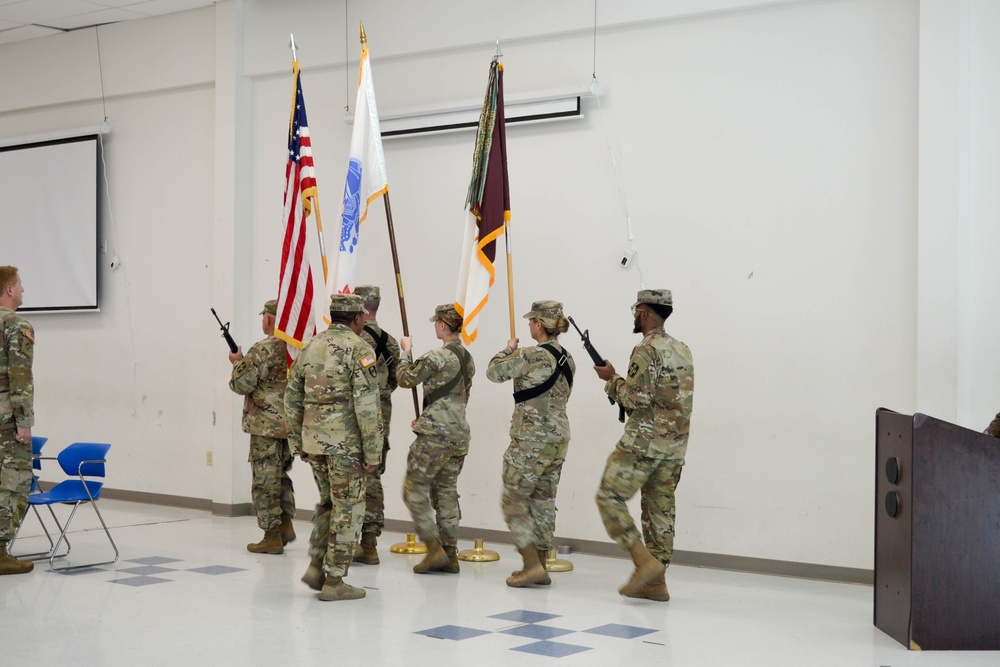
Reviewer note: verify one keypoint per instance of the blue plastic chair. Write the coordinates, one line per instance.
(37, 442)
(81, 460)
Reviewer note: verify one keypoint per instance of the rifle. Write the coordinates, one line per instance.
(233, 347)
(598, 361)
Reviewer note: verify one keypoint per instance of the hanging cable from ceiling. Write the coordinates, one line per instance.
(630, 257)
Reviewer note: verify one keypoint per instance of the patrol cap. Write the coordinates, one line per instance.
(347, 303)
(658, 297)
(368, 292)
(548, 311)
(446, 313)
(270, 307)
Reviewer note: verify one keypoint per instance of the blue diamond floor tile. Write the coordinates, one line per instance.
(453, 632)
(153, 560)
(216, 569)
(147, 569)
(551, 649)
(532, 631)
(620, 631)
(140, 581)
(525, 616)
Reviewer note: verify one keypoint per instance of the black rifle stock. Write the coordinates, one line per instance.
(598, 361)
(233, 347)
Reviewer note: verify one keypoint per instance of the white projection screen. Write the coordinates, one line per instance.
(48, 221)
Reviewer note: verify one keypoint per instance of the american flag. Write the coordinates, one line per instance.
(295, 324)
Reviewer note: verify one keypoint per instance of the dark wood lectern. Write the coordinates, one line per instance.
(937, 533)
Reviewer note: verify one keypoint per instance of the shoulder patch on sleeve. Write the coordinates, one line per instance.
(368, 363)
(29, 335)
(633, 368)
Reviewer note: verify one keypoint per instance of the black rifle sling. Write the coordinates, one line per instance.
(462, 374)
(381, 346)
(562, 368)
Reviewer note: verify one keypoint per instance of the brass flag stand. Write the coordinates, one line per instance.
(478, 554)
(410, 546)
(555, 564)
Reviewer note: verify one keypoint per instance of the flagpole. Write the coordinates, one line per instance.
(399, 285)
(510, 277)
(319, 219)
(506, 233)
(395, 258)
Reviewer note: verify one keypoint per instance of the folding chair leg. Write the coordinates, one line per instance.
(41, 555)
(62, 537)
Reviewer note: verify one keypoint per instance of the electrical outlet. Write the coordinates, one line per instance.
(628, 257)
(208, 458)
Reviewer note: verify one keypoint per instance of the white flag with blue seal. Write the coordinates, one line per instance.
(366, 180)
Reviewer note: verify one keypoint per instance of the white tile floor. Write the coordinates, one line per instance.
(261, 614)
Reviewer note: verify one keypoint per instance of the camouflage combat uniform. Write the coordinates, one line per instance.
(658, 395)
(387, 364)
(994, 427)
(430, 488)
(332, 413)
(261, 377)
(17, 391)
(539, 434)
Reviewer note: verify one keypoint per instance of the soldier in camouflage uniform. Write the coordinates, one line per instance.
(17, 415)
(657, 394)
(994, 427)
(387, 356)
(261, 376)
(335, 424)
(430, 488)
(539, 434)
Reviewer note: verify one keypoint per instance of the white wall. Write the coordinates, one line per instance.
(770, 174)
(137, 374)
(769, 156)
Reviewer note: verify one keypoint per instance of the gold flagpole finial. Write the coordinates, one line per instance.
(364, 38)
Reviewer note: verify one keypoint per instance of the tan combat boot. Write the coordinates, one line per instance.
(334, 590)
(654, 590)
(452, 566)
(543, 558)
(434, 561)
(11, 565)
(287, 530)
(270, 544)
(314, 576)
(647, 568)
(366, 552)
(532, 573)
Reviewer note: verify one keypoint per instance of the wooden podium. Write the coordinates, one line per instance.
(937, 533)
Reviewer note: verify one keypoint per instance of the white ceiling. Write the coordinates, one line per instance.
(27, 19)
